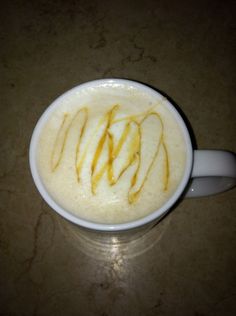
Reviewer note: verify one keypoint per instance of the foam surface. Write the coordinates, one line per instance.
(146, 169)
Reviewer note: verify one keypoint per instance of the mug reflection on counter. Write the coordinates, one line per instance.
(109, 246)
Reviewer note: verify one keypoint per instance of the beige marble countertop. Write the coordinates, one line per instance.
(186, 264)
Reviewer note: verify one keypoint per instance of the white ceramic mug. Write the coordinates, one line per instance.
(207, 172)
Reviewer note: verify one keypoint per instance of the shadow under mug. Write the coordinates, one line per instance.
(206, 172)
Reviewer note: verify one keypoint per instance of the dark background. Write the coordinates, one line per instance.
(186, 265)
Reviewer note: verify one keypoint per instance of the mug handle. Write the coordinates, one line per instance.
(214, 171)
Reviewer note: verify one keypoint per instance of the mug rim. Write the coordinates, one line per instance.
(155, 215)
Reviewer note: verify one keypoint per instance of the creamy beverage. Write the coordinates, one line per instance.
(111, 153)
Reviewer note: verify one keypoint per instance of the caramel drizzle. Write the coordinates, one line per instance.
(59, 146)
(107, 139)
(80, 162)
(95, 177)
(132, 196)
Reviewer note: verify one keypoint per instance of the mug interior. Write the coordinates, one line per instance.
(94, 225)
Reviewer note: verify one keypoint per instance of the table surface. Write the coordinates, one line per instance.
(186, 264)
